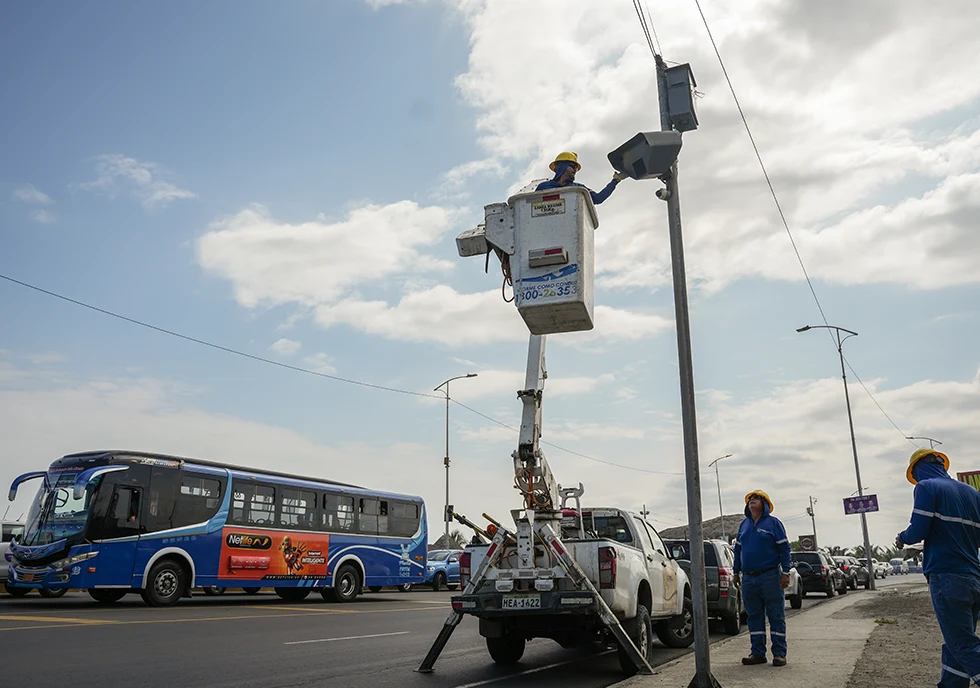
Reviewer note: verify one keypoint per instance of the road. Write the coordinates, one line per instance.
(240, 641)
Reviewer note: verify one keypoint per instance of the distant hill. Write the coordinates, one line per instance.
(712, 529)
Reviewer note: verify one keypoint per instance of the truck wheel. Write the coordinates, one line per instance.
(165, 584)
(678, 631)
(346, 585)
(106, 595)
(796, 601)
(831, 591)
(292, 594)
(51, 593)
(507, 649)
(438, 581)
(638, 629)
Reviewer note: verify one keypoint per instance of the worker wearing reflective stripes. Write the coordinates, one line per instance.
(946, 518)
(565, 166)
(762, 565)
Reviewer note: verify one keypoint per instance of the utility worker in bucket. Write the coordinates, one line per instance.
(762, 559)
(565, 166)
(946, 516)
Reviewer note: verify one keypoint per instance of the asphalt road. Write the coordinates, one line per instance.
(240, 641)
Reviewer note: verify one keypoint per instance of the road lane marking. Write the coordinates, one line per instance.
(51, 619)
(531, 671)
(350, 637)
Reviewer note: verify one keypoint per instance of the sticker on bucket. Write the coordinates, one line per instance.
(550, 205)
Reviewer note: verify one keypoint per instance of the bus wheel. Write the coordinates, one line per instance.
(52, 593)
(293, 594)
(107, 595)
(251, 591)
(374, 588)
(15, 592)
(212, 590)
(346, 585)
(165, 584)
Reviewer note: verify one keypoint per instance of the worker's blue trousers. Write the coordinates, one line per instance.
(956, 599)
(763, 597)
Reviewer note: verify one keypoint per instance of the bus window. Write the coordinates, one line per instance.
(253, 504)
(161, 501)
(197, 501)
(296, 508)
(367, 516)
(123, 518)
(403, 519)
(338, 513)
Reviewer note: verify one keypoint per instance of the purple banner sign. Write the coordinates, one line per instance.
(860, 505)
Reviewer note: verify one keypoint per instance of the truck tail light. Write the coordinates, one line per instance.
(724, 581)
(607, 567)
(464, 569)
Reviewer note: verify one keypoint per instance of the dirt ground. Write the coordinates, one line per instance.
(905, 647)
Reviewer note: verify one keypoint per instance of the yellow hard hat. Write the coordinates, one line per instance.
(763, 495)
(921, 454)
(567, 156)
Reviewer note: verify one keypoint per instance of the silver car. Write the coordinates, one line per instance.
(7, 530)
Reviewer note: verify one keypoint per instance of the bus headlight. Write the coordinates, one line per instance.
(71, 561)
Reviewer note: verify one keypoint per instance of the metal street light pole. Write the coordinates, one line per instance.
(932, 442)
(850, 421)
(813, 520)
(721, 509)
(445, 517)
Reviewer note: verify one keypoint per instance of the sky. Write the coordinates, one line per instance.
(287, 181)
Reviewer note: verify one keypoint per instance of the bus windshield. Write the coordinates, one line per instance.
(55, 513)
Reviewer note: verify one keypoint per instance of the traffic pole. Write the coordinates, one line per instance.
(703, 677)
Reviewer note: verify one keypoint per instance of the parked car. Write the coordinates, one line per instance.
(819, 573)
(899, 565)
(881, 568)
(855, 572)
(442, 569)
(724, 598)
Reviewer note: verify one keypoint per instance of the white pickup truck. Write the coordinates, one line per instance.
(623, 557)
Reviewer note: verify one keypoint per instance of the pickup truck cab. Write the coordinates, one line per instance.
(624, 558)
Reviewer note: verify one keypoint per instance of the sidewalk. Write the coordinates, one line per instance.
(821, 646)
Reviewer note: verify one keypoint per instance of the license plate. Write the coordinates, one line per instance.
(522, 602)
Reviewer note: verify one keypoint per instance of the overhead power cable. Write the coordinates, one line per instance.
(779, 208)
(297, 369)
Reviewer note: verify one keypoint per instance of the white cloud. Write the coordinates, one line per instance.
(43, 217)
(270, 262)
(455, 182)
(286, 347)
(142, 180)
(321, 363)
(28, 193)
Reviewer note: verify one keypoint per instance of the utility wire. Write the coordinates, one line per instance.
(646, 27)
(779, 208)
(298, 369)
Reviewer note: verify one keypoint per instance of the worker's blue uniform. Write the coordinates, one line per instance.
(762, 556)
(560, 168)
(946, 515)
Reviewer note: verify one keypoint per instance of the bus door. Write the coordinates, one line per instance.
(119, 537)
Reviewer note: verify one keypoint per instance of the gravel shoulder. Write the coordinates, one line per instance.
(905, 647)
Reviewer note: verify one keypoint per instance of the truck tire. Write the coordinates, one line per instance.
(831, 590)
(107, 595)
(638, 629)
(678, 631)
(507, 649)
(796, 601)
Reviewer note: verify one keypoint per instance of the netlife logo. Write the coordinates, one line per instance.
(248, 541)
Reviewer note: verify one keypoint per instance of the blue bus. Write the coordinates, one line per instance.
(114, 522)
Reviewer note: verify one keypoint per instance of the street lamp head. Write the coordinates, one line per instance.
(803, 329)
(470, 374)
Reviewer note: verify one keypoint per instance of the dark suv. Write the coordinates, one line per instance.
(819, 573)
(724, 600)
(855, 572)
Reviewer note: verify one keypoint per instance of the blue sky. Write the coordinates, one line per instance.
(288, 180)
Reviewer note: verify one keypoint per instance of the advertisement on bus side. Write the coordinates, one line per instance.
(252, 554)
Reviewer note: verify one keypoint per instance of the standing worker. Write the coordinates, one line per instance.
(565, 166)
(762, 564)
(946, 515)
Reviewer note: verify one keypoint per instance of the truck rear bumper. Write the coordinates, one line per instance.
(492, 605)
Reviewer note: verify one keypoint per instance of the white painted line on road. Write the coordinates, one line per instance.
(350, 637)
(531, 671)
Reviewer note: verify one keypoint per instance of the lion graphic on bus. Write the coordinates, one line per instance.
(292, 555)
